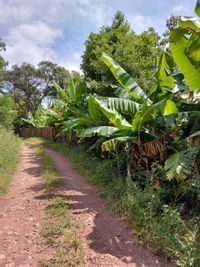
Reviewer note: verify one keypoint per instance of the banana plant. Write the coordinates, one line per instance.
(72, 96)
(125, 114)
(181, 164)
(197, 8)
(125, 80)
(39, 119)
(163, 113)
(130, 117)
(185, 48)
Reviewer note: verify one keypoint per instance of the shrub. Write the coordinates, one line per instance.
(158, 225)
(7, 113)
(9, 154)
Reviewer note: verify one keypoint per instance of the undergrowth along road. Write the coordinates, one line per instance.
(9, 157)
(58, 228)
(106, 241)
(53, 217)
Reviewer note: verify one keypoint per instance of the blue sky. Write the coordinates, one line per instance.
(57, 29)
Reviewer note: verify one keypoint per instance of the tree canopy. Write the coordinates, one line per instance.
(2, 63)
(136, 53)
(29, 85)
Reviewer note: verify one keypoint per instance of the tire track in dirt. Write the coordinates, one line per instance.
(21, 215)
(104, 238)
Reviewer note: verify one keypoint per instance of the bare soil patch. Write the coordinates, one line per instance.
(21, 215)
(105, 240)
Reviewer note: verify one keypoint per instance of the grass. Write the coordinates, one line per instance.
(9, 156)
(83, 163)
(155, 224)
(59, 229)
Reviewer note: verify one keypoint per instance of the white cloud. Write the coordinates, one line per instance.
(73, 63)
(14, 12)
(30, 43)
(77, 56)
(70, 65)
(94, 11)
(38, 33)
(178, 9)
(139, 23)
(97, 13)
(54, 11)
(31, 28)
(28, 52)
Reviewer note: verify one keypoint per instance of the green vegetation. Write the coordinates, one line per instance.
(2, 64)
(7, 112)
(131, 125)
(9, 156)
(29, 85)
(142, 149)
(156, 224)
(58, 220)
(9, 144)
(136, 53)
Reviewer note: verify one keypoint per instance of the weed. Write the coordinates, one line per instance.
(9, 156)
(59, 230)
(155, 224)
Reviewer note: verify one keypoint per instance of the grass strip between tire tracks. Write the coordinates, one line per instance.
(59, 229)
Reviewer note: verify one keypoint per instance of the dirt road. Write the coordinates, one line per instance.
(105, 240)
(21, 214)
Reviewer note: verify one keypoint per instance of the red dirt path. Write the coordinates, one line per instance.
(105, 240)
(21, 214)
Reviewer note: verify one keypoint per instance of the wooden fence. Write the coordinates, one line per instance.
(44, 132)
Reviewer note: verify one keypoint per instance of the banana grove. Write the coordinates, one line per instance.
(154, 137)
(161, 126)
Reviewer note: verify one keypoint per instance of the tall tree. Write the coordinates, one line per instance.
(29, 85)
(48, 72)
(24, 85)
(126, 47)
(2, 63)
(171, 24)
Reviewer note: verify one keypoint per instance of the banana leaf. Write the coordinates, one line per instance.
(125, 80)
